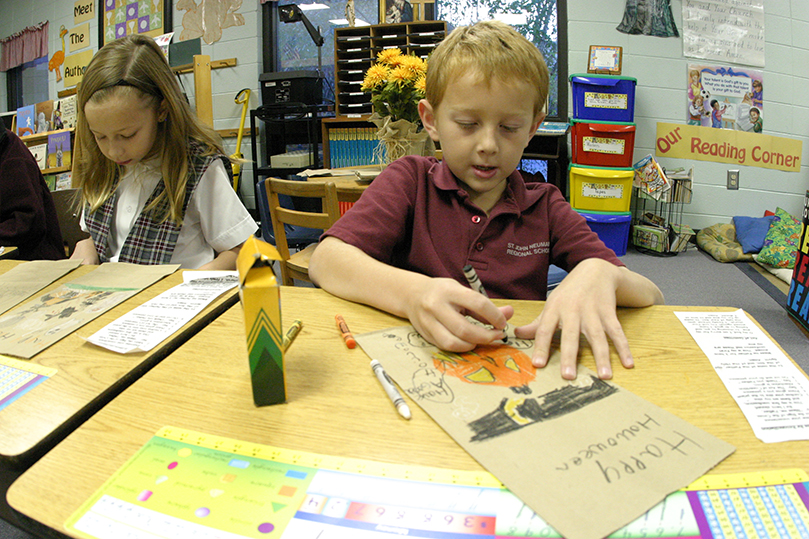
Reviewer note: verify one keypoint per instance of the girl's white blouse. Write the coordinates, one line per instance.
(215, 220)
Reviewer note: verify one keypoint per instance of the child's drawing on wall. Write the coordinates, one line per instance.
(722, 97)
(208, 18)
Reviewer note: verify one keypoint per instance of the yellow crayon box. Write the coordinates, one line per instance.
(261, 300)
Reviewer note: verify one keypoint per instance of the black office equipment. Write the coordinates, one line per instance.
(291, 87)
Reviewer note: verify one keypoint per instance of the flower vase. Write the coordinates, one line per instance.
(399, 138)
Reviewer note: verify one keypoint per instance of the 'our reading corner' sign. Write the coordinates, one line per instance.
(728, 146)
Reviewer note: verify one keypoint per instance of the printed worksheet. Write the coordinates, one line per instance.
(146, 326)
(771, 391)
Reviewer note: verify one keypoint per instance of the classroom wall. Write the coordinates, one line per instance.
(240, 42)
(660, 67)
(657, 63)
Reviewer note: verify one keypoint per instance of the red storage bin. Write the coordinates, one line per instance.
(603, 144)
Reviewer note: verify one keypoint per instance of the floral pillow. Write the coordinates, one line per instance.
(781, 243)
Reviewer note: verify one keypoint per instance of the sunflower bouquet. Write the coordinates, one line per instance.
(396, 83)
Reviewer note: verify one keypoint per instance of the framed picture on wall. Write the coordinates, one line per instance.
(119, 18)
(393, 11)
(605, 60)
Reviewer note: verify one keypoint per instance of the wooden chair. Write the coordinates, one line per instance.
(296, 265)
(68, 212)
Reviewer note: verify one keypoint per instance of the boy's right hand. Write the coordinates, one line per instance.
(438, 307)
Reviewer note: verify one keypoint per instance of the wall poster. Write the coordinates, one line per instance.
(724, 30)
(119, 18)
(725, 98)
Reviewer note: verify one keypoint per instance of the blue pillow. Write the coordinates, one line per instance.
(751, 231)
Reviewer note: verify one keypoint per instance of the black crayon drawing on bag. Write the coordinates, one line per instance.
(501, 365)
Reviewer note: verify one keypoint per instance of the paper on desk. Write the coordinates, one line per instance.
(771, 391)
(40, 322)
(146, 326)
(25, 280)
(362, 173)
(325, 172)
(587, 456)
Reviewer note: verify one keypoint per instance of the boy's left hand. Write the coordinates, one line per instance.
(583, 303)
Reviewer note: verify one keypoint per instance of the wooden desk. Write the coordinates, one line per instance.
(8, 252)
(337, 407)
(87, 376)
(349, 189)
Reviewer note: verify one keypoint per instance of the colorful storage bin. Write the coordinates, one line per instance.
(606, 144)
(608, 98)
(612, 228)
(600, 188)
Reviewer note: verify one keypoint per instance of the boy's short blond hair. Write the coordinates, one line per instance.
(494, 51)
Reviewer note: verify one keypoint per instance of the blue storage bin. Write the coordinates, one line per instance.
(612, 228)
(608, 98)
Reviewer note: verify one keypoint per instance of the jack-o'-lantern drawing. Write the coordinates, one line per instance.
(495, 365)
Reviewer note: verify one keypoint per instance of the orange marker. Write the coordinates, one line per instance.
(345, 332)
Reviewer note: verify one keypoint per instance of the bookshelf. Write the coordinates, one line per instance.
(355, 50)
(42, 138)
(347, 142)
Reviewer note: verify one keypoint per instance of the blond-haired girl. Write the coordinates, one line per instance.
(155, 182)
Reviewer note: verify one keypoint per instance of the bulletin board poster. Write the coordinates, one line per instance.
(725, 98)
(119, 18)
(724, 31)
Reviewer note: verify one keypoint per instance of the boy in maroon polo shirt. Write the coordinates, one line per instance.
(403, 245)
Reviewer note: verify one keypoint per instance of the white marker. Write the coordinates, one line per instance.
(393, 394)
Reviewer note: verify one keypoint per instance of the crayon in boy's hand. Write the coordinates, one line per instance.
(474, 281)
(345, 332)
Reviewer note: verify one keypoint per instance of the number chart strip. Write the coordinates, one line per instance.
(184, 483)
(18, 377)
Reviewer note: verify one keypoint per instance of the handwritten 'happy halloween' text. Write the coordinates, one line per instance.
(614, 468)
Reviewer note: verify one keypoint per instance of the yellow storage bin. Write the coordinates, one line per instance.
(601, 188)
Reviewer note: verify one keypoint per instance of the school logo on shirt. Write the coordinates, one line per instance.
(540, 248)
